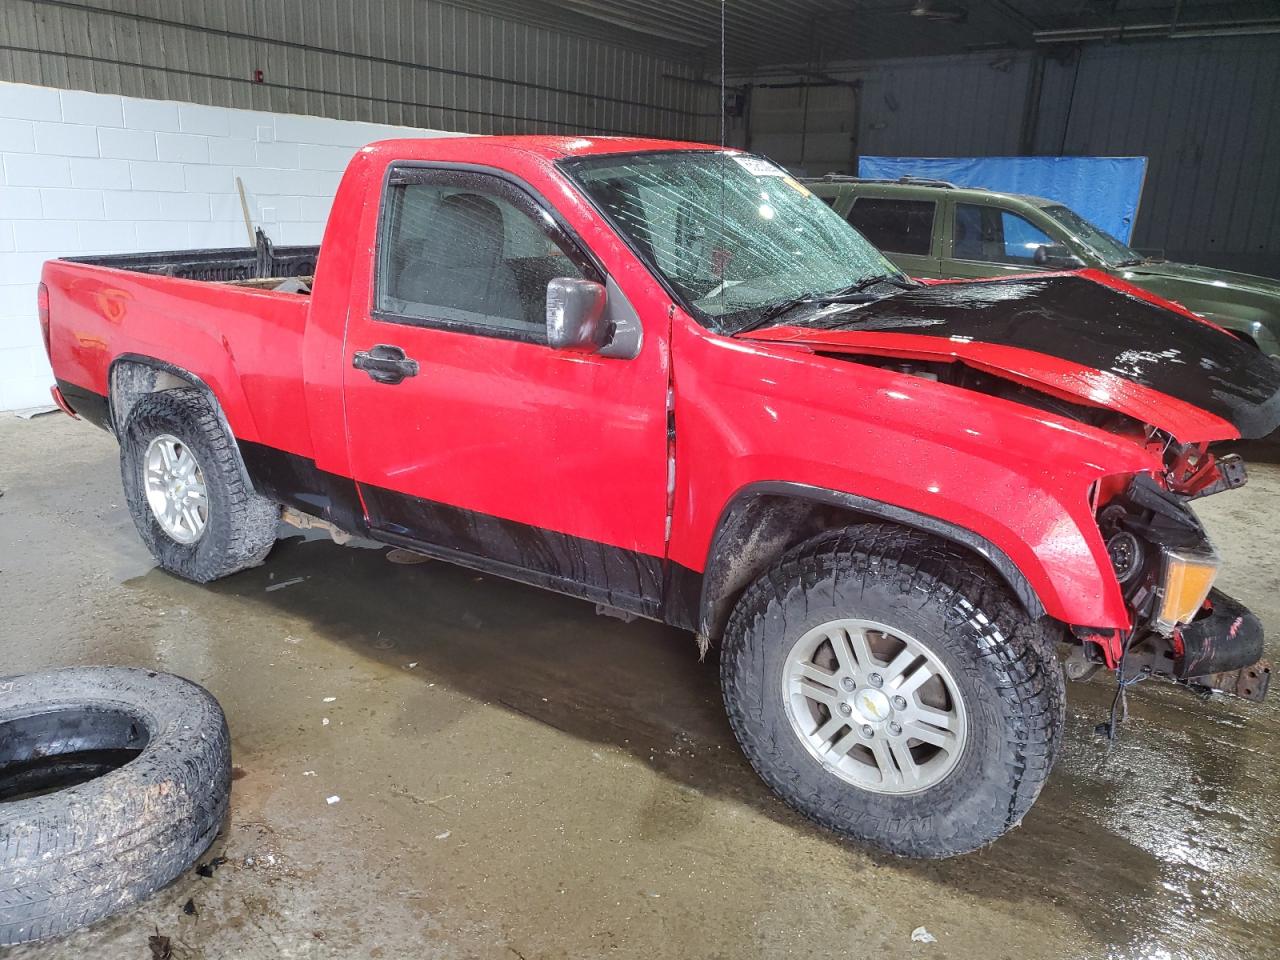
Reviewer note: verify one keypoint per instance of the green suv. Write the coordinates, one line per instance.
(931, 228)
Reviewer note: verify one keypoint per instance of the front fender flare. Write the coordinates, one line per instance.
(714, 603)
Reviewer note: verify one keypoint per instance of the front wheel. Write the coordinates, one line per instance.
(185, 490)
(884, 686)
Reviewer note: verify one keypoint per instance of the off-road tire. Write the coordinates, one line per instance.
(80, 853)
(241, 527)
(1004, 665)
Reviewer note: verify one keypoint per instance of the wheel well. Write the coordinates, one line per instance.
(134, 377)
(758, 527)
(131, 380)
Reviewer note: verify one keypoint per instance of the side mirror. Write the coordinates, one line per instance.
(1057, 257)
(575, 315)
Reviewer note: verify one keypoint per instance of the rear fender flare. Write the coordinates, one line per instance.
(163, 376)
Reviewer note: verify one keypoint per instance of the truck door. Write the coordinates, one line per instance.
(989, 241)
(470, 437)
(903, 229)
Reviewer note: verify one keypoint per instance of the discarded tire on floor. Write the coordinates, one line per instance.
(112, 782)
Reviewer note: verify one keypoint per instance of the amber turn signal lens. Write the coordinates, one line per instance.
(1188, 577)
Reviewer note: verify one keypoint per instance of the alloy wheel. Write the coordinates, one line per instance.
(176, 489)
(874, 706)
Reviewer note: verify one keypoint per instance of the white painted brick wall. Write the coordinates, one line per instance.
(85, 173)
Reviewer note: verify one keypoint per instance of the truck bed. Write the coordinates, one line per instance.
(226, 265)
(204, 312)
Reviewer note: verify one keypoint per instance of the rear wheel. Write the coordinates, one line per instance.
(883, 685)
(175, 488)
(185, 490)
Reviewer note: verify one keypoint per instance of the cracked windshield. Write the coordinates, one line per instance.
(1107, 247)
(734, 235)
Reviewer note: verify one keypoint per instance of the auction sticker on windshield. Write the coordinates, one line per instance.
(759, 167)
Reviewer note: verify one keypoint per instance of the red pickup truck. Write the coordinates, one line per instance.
(666, 378)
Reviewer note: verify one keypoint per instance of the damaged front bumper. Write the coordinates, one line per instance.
(1185, 629)
(1222, 649)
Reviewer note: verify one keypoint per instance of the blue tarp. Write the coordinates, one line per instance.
(1103, 190)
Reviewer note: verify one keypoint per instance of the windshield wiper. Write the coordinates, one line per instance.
(1135, 262)
(778, 309)
(896, 279)
(854, 293)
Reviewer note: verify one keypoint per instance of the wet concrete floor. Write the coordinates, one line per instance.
(520, 778)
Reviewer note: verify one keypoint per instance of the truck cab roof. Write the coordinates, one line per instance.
(550, 148)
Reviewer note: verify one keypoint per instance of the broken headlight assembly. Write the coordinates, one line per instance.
(1162, 559)
(1165, 585)
(1184, 630)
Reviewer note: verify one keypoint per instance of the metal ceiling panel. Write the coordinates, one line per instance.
(763, 33)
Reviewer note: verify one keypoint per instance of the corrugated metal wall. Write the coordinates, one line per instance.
(417, 62)
(1206, 113)
(944, 106)
(936, 106)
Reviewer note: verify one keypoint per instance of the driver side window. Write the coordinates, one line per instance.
(464, 250)
(992, 235)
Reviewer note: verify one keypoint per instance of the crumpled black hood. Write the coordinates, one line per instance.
(1090, 324)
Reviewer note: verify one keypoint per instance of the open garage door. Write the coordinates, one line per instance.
(811, 129)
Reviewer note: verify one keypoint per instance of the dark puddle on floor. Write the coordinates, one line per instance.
(1164, 846)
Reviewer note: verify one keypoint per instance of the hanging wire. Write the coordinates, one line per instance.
(1120, 703)
(724, 159)
(722, 71)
